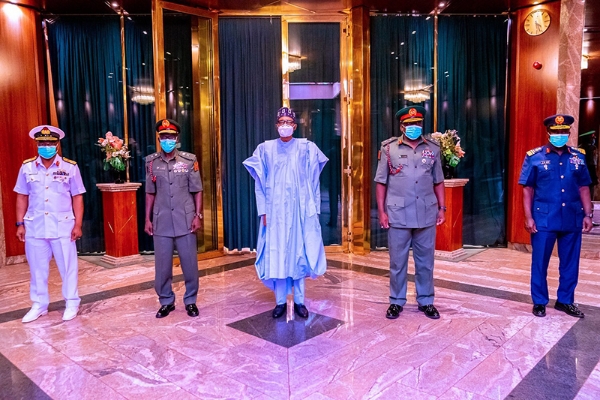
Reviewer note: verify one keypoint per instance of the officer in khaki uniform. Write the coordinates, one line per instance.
(173, 215)
(410, 199)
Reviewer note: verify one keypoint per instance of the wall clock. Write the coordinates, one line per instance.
(537, 22)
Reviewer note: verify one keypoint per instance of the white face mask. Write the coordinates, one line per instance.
(285, 130)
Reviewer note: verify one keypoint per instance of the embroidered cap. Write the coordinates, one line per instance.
(286, 112)
(46, 133)
(559, 121)
(411, 114)
(167, 126)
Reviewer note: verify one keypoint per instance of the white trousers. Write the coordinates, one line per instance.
(39, 252)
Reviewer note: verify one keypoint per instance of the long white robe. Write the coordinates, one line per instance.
(287, 190)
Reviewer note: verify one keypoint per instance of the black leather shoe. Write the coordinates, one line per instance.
(163, 311)
(279, 310)
(301, 310)
(192, 310)
(539, 310)
(430, 311)
(393, 311)
(570, 309)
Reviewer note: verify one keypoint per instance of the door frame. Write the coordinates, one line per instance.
(214, 149)
(346, 182)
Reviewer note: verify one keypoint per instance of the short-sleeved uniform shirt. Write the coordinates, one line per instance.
(50, 211)
(556, 180)
(410, 175)
(174, 182)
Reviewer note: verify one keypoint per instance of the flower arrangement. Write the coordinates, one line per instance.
(116, 152)
(450, 146)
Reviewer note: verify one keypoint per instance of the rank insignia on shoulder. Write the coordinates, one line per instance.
(151, 157)
(187, 156)
(579, 149)
(29, 160)
(388, 141)
(379, 155)
(69, 161)
(196, 168)
(534, 151)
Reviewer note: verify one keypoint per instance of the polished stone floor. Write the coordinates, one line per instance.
(486, 345)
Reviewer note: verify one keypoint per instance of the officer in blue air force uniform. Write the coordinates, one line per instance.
(557, 206)
(410, 200)
(49, 217)
(174, 200)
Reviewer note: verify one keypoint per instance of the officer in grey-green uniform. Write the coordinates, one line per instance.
(410, 200)
(173, 215)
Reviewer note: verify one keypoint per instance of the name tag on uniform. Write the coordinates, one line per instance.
(403, 156)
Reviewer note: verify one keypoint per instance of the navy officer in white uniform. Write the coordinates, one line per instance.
(49, 217)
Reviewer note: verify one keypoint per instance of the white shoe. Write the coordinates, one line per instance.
(34, 314)
(70, 313)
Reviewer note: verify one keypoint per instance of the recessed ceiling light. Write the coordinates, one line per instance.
(442, 4)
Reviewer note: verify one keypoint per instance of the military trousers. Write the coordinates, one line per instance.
(284, 286)
(163, 266)
(569, 248)
(39, 252)
(422, 241)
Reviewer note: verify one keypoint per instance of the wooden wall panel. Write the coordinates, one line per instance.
(532, 97)
(22, 103)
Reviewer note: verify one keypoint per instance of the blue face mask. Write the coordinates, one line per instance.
(47, 152)
(168, 145)
(413, 132)
(559, 140)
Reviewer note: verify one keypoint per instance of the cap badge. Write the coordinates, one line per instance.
(559, 120)
(45, 131)
(166, 123)
(412, 112)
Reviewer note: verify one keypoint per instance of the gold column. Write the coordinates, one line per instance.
(158, 47)
(284, 62)
(435, 71)
(124, 79)
(356, 156)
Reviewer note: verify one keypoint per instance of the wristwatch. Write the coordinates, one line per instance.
(199, 215)
(19, 223)
(442, 208)
(591, 215)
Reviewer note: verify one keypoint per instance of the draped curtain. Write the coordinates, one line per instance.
(472, 78)
(85, 56)
(141, 115)
(401, 59)
(251, 93)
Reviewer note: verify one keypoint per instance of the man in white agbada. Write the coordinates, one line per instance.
(290, 246)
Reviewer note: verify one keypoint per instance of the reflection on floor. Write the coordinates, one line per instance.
(487, 344)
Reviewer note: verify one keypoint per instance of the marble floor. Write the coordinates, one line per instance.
(486, 345)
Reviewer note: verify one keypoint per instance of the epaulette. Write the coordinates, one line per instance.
(65, 159)
(579, 149)
(152, 157)
(187, 156)
(388, 141)
(29, 160)
(432, 141)
(534, 151)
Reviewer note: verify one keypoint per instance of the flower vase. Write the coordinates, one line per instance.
(117, 176)
(449, 171)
